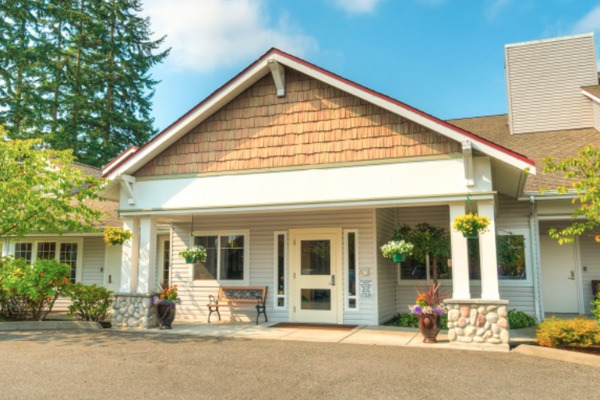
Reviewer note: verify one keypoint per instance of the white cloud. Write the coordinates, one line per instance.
(204, 35)
(495, 8)
(590, 22)
(358, 6)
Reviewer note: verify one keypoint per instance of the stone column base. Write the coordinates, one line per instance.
(478, 321)
(133, 310)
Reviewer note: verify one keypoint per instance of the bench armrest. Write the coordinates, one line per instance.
(212, 299)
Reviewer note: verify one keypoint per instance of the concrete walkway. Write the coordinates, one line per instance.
(368, 335)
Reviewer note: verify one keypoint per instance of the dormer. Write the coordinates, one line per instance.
(544, 81)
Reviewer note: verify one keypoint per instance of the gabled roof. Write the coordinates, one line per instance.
(131, 162)
(536, 145)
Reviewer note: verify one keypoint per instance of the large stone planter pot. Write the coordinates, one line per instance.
(166, 315)
(429, 326)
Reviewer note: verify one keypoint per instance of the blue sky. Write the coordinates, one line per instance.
(445, 57)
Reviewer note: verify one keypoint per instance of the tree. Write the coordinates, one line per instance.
(429, 241)
(583, 172)
(76, 74)
(41, 191)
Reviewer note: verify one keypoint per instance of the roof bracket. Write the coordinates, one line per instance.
(467, 149)
(127, 182)
(278, 73)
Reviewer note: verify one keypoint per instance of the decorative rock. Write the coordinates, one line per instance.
(462, 322)
(450, 325)
(136, 315)
(502, 312)
(473, 317)
(492, 308)
(465, 339)
(459, 331)
(115, 305)
(453, 315)
(492, 317)
(487, 334)
(481, 320)
(131, 309)
(503, 323)
(451, 335)
(119, 318)
(146, 302)
(482, 310)
(494, 341)
(470, 331)
(487, 326)
(480, 332)
(464, 311)
(504, 336)
(478, 339)
(495, 329)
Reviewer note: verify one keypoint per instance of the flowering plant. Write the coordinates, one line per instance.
(393, 247)
(166, 296)
(114, 235)
(471, 223)
(428, 302)
(194, 254)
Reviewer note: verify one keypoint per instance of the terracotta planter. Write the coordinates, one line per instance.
(166, 315)
(399, 257)
(429, 326)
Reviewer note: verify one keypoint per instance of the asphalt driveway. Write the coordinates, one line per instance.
(114, 364)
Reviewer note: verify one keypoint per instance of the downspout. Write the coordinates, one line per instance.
(534, 234)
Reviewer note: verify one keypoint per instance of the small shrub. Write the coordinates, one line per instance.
(557, 332)
(30, 291)
(409, 320)
(596, 307)
(89, 302)
(518, 319)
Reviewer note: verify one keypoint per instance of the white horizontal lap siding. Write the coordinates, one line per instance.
(194, 294)
(590, 260)
(511, 214)
(544, 82)
(386, 268)
(92, 271)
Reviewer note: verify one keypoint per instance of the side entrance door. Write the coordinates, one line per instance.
(316, 271)
(559, 276)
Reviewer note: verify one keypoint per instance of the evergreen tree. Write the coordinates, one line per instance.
(76, 74)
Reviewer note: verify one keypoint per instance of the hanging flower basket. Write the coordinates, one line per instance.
(400, 257)
(193, 254)
(471, 224)
(397, 250)
(116, 236)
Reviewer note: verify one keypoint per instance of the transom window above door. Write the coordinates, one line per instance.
(226, 258)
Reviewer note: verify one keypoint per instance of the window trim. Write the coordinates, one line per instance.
(346, 270)
(222, 282)
(276, 295)
(34, 243)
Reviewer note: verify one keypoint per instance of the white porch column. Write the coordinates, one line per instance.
(147, 257)
(129, 257)
(460, 256)
(487, 253)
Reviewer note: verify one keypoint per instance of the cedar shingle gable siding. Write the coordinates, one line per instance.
(313, 123)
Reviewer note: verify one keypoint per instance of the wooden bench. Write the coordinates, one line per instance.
(239, 296)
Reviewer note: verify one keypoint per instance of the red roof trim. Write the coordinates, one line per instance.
(135, 148)
(344, 80)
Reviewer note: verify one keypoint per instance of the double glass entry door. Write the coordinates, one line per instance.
(316, 275)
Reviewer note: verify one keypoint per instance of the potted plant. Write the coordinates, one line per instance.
(116, 236)
(165, 302)
(396, 250)
(429, 307)
(471, 224)
(193, 254)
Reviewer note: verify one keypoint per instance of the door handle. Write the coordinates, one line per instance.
(109, 278)
(332, 281)
(572, 277)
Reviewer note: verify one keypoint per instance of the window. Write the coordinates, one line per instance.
(225, 257)
(68, 255)
(24, 250)
(510, 252)
(414, 269)
(166, 261)
(280, 268)
(351, 253)
(64, 252)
